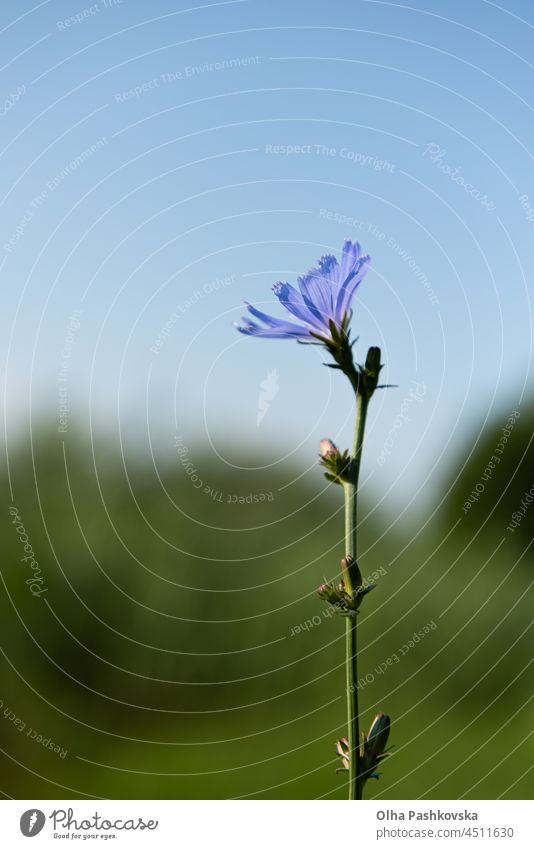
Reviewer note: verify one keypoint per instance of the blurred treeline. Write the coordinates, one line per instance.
(161, 654)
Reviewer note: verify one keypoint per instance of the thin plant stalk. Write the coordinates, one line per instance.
(351, 500)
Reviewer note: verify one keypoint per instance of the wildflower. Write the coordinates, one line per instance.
(322, 302)
(322, 307)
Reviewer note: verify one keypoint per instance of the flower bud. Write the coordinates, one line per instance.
(343, 750)
(337, 465)
(327, 449)
(377, 738)
(371, 371)
(374, 745)
(328, 593)
(345, 602)
(372, 363)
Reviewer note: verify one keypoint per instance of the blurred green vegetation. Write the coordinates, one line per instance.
(161, 655)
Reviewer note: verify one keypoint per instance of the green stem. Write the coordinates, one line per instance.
(351, 499)
(355, 787)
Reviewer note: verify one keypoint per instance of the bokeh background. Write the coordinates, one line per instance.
(162, 163)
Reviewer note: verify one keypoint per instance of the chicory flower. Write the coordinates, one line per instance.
(321, 303)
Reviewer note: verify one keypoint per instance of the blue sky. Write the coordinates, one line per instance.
(162, 163)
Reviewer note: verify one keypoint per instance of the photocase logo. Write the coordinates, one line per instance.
(268, 392)
(32, 822)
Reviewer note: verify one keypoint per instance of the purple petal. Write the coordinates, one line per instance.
(351, 252)
(270, 320)
(286, 330)
(350, 285)
(276, 327)
(318, 285)
(294, 303)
